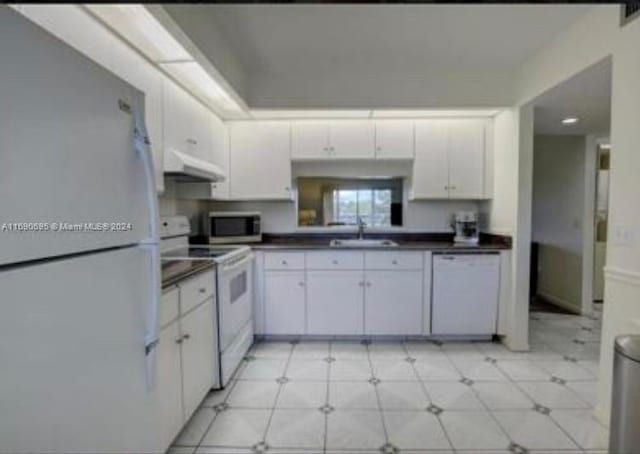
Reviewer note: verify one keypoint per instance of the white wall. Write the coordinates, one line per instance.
(596, 36)
(170, 205)
(508, 213)
(501, 210)
(558, 191)
(348, 91)
(558, 215)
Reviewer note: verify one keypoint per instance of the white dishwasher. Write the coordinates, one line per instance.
(465, 294)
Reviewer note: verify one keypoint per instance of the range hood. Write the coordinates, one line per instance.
(185, 168)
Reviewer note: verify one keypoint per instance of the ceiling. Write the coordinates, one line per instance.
(373, 56)
(586, 96)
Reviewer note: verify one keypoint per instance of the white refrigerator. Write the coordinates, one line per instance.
(78, 301)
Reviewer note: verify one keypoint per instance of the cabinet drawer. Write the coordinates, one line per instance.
(196, 290)
(393, 260)
(169, 308)
(335, 260)
(284, 260)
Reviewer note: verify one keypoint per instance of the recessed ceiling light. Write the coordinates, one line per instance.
(569, 120)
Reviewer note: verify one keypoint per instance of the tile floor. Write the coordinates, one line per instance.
(414, 397)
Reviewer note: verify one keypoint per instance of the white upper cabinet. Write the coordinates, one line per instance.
(309, 140)
(220, 150)
(187, 123)
(260, 160)
(394, 139)
(201, 131)
(351, 139)
(431, 165)
(218, 155)
(335, 139)
(450, 159)
(467, 159)
(132, 67)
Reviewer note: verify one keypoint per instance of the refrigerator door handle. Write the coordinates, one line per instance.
(152, 328)
(142, 145)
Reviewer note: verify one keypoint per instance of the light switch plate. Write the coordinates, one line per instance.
(623, 235)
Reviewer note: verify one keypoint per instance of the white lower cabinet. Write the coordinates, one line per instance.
(196, 329)
(284, 301)
(393, 302)
(186, 356)
(335, 302)
(377, 293)
(170, 383)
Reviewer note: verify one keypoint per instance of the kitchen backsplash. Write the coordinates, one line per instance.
(280, 216)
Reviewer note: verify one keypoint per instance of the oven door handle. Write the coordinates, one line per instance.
(236, 264)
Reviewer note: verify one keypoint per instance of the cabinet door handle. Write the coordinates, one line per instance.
(335, 262)
(284, 262)
(186, 336)
(192, 141)
(202, 290)
(368, 284)
(379, 148)
(301, 284)
(179, 340)
(361, 283)
(395, 262)
(453, 188)
(446, 188)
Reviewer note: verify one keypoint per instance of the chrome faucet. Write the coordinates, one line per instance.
(361, 226)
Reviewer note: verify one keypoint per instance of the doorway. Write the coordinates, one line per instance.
(570, 192)
(603, 159)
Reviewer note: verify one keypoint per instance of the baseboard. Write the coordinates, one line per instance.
(568, 305)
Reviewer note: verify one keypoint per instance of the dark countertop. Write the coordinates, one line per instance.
(440, 242)
(402, 245)
(174, 271)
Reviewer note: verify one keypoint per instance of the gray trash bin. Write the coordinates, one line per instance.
(625, 401)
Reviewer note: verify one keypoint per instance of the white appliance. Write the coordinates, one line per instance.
(190, 169)
(465, 294)
(465, 224)
(79, 260)
(234, 284)
(233, 227)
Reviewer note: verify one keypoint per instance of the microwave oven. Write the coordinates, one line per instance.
(233, 227)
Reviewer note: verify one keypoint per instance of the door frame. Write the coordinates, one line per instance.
(592, 145)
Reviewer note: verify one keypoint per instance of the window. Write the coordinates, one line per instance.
(328, 201)
(373, 206)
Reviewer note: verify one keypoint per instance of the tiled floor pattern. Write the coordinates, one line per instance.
(413, 397)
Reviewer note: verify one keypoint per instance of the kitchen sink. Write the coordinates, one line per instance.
(362, 243)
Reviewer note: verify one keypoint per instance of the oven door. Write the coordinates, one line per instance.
(235, 297)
